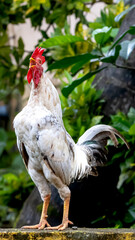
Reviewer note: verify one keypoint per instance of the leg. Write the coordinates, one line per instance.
(43, 220)
(65, 220)
(45, 192)
(64, 194)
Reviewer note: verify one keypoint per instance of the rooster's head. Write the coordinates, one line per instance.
(35, 67)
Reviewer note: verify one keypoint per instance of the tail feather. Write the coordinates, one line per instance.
(101, 133)
(92, 144)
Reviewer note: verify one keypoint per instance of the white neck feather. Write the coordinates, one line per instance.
(46, 95)
(37, 94)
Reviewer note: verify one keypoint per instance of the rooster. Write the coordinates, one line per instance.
(48, 151)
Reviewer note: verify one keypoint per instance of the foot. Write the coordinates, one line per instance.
(43, 220)
(60, 227)
(39, 226)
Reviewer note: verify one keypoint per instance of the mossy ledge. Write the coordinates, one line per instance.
(68, 234)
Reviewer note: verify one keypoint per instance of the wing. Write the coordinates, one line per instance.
(23, 152)
(56, 149)
(35, 172)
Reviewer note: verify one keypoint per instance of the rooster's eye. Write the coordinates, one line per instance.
(39, 61)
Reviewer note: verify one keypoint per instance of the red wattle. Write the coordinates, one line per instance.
(29, 75)
(37, 75)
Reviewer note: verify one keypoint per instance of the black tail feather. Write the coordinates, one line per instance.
(96, 155)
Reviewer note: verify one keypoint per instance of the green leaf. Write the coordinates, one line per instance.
(112, 55)
(2, 147)
(21, 47)
(117, 155)
(102, 35)
(20, 43)
(131, 30)
(44, 34)
(60, 40)
(132, 211)
(68, 76)
(68, 61)
(123, 177)
(126, 48)
(3, 38)
(46, 5)
(68, 89)
(3, 135)
(114, 32)
(122, 14)
(96, 120)
(16, 56)
(79, 65)
(132, 130)
(131, 114)
(95, 25)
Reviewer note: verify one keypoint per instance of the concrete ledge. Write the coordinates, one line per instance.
(69, 234)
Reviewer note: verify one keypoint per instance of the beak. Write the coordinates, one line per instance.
(32, 62)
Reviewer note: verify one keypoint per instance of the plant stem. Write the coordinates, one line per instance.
(124, 67)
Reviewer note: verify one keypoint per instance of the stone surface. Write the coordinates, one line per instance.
(69, 234)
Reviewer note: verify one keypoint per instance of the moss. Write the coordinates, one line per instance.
(69, 234)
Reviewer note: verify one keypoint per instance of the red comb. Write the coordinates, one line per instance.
(38, 53)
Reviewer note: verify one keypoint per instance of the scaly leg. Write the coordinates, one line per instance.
(43, 220)
(65, 220)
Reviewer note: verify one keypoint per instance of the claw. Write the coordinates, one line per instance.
(61, 226)
(65, 225)
(39, 226)
(31, 227)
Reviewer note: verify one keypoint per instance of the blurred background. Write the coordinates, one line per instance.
(92, 42)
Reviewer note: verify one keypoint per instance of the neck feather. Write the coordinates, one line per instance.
(45, 94)
(37, 91)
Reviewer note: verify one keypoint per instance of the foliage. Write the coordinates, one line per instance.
(99, 54)
(53, 11)
(107, 17)
(15, 183)
(14, 189)
(13, 69)
(12, 61)
(68, 89)
(120, 16)
(82, 109)
(126, 184)
(97, 45)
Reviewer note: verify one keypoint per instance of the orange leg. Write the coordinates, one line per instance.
(65, 220)
(43, 220)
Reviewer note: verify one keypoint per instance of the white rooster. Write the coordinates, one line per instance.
(49, 153)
